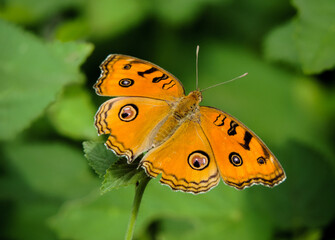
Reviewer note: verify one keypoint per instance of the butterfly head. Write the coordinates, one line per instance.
(195, 96)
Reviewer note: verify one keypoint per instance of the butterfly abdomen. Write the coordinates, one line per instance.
(186, 109)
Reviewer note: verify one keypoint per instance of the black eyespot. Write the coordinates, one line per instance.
(128, 112)
(126, 82)
(198, 160)
(127, 66)
(235, 159)
(125, 115)
(261, 160)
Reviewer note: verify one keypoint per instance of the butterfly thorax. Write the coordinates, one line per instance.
(187, 108)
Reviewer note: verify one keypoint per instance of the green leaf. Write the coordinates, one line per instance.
(52, 169)
(33, 73)
(72, 115)
(98, 156)
(117, 172)
(111, 17)
(315, 34)
(122, 174)
(308, 39)
(280, 45)
(71, 53)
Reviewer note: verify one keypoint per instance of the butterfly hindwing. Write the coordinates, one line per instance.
(242, 158)
(185, 161)
(123, 75)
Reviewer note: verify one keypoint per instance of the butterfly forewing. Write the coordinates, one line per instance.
(123, 75)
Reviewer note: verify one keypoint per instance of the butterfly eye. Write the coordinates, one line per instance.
(128, 113)
(261, 160)
(126, 82)
(198, 160)
(235, 159)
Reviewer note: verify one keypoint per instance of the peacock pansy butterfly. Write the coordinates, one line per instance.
(191, 146)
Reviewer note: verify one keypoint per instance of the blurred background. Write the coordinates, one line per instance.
(50, 52)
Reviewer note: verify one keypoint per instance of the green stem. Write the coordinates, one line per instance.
(139, 190)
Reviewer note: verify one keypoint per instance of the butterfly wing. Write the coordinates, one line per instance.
(130, 122)
(243, 159)
(128, 76)
(185, 160)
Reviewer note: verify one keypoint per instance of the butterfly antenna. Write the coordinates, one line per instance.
(241, 76)
(196, 67)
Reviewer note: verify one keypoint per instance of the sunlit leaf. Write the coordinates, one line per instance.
(33, 73)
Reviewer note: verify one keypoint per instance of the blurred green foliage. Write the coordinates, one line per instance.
(49, 57)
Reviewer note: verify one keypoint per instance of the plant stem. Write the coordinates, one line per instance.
(139, 190)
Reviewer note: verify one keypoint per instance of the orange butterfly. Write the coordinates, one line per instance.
(191, 146)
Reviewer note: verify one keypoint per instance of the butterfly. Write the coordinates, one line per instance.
(191, 146)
